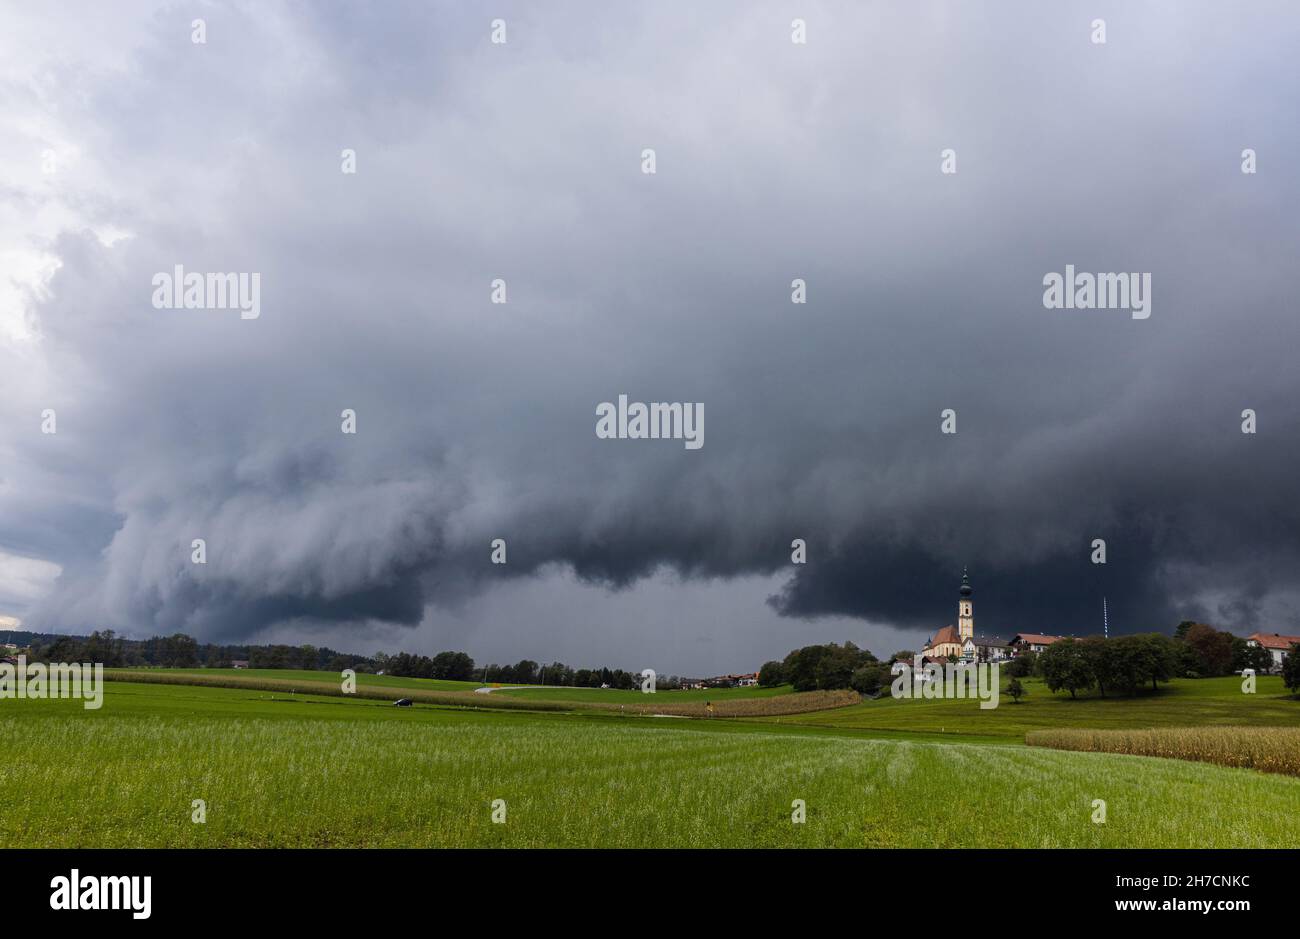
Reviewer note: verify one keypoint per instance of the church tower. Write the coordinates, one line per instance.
(965, 609)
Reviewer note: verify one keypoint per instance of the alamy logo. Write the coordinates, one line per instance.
(194, 291)
(75, 892)
(1072, 291)
(654, 421)
(961, 680)
(56, 680)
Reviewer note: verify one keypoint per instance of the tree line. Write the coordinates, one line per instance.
(182, 651)
(457, 666)
(1126, 664)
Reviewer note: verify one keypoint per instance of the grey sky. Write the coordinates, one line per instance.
(476, 421)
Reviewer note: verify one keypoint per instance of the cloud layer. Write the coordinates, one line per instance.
(774, 161)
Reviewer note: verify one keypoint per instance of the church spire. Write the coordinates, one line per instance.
(965, 609)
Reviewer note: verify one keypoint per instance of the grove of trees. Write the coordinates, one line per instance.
(826, 668)
(1122, 665)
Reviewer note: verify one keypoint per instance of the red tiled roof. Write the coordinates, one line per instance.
(1274, 641)
(947, 634)
(1036, 639)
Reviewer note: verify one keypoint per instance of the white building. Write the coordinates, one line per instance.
(1278, 646)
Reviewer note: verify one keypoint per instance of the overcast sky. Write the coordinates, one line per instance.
(126, 149)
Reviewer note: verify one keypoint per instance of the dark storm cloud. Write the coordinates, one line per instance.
(821, 421)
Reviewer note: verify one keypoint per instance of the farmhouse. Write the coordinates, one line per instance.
(1278, 646)
(985, 649)
(1031, 642)
(960, 641)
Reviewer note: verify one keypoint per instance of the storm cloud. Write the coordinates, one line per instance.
(774, 161)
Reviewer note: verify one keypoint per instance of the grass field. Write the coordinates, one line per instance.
(306, 770)
(1182, 703)
(742, 702)
(528, 692)
(288, 674)
(616, 696)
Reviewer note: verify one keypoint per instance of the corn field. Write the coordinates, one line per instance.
(1268, 749)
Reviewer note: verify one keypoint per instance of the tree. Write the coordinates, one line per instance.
(825, 667)
(1291, 669)
(308, 657)
(1104, 660)
(1065, 665)
(1211, 649)
(180, 651)
(770, 675)
(1022, 666)
(801, 667)
(869, 678)
(837, 665)
(452, 666)
(1245, 656)
(1126, 675)
(1155, 658)
(1015, 689)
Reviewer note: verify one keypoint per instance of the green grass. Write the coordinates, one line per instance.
(290, 674)
(617, 696)
(529, 692)
(735, 705)
(307, 770)
(1181, 703)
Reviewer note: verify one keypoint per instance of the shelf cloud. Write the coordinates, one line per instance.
(138, 152)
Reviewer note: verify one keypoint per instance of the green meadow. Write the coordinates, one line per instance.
(277, 768)
(1181, 703)
(527, 692)
(289, 674)
(618, 696)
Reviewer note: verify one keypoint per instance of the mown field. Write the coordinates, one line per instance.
(529, 692)
(289, 674)
(617, 696)
(739, 702)
(307, 770)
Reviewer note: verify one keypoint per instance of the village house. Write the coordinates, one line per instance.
(985, 649)
(1031, 642)
(1278, 646)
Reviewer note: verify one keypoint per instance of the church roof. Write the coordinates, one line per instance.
(947, 634)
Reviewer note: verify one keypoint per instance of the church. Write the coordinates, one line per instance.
(959, 642)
